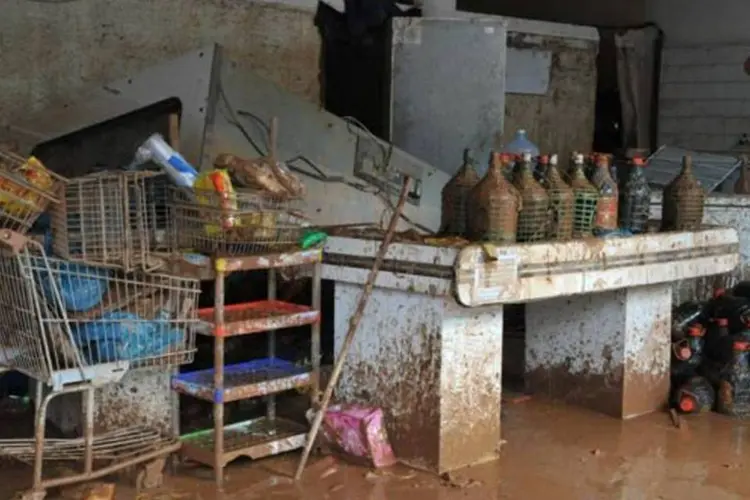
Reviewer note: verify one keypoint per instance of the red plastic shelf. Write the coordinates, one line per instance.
(260, 316)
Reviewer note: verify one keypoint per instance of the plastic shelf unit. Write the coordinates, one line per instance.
(265, 377)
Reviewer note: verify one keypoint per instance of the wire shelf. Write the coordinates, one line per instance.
(27, 189)
(255, 438)
(57, 315)
(245, 222)
(111, 218)
(116, 445)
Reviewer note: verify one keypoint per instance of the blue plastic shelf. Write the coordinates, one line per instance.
(251, 379)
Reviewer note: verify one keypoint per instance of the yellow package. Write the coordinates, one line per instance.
(224, 199)
(17, 199)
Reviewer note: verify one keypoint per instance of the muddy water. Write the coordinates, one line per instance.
(552, 451)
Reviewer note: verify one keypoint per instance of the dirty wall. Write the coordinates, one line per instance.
(49, 50)
(562, 120)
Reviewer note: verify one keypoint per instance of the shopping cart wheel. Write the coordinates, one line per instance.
(32, 495)
(151, 475)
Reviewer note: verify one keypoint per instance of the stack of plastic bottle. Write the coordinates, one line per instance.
(711, 354)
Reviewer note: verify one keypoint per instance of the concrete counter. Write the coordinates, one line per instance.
(429, 348)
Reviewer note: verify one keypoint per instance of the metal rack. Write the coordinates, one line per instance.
(269, 435)
(75, 328)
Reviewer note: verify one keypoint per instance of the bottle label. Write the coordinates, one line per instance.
(606, 213)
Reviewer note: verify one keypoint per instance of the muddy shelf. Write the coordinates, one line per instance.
(259, 316)
(251, 379)
(257, 438)
(265, 377)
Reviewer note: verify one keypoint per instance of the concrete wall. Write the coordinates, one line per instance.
(704, 96)
(698, 22)
(562, 120)
(48, 50)
(705, 92)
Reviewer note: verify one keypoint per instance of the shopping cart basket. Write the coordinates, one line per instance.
(110, 218)
(27, 189)
(244, 222)
(73, 328)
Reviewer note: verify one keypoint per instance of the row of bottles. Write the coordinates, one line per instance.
(517, 202)
(520, 201)
(711, 356)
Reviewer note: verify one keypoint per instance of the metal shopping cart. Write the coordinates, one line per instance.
(73, 328)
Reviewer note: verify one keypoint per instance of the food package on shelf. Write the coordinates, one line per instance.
(17, 199)
(262, 173)
(214, 187)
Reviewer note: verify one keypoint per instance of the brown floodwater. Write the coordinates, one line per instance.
(550, 451)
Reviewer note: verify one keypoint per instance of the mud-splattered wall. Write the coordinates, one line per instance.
(48, 50)
(562, 120)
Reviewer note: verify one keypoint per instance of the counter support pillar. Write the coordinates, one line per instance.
(606, 351)
(433, 367)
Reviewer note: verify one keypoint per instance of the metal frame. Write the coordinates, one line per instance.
(43, 337)
(219, 446)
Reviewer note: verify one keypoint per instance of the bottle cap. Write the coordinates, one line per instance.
(684, 352)
(719, 292)
(544, 159)
(505, 157)
(687, 403)
(722, 321)
(695, 331)
(527, 157)
(578, 158)
(638, 161)
(740, 345)
(553, 160)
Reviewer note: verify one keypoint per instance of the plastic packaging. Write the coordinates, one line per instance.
(124, 336)
(520, 145)
(79, 287)
(157, 150)
(358, 432)
(215, 187)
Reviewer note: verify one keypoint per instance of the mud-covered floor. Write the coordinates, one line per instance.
(552, 451)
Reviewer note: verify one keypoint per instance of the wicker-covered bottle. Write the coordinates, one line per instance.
(607, 207)
(683, 201)
(455, 197)
(540, 172)
(742, 186)
(534, 214)
(493, 207)
(569, 171)
(561, 201)
(585, 198)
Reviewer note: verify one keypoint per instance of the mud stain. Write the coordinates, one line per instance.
(551, 451)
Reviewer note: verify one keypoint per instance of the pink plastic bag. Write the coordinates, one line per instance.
(358, 431)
